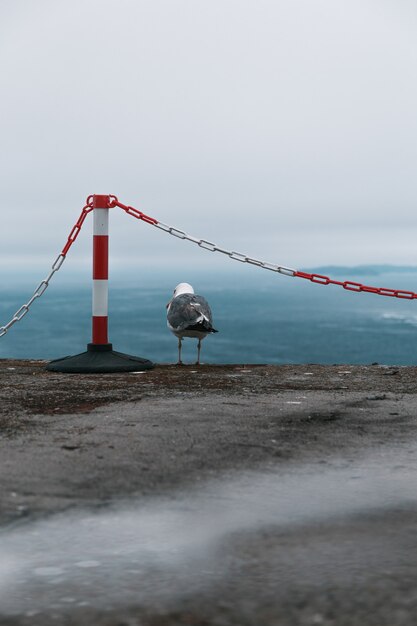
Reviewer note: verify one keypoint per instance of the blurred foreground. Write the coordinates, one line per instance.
(208, 496)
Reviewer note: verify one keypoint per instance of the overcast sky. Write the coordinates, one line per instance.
(282, 129)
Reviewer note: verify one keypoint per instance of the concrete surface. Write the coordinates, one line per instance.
(77, 444)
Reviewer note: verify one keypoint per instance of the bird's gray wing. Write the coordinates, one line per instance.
(187, 310)
(203, 306)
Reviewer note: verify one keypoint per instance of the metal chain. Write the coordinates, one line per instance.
(235, 256)
(39, 291)
(77, 226)
(273, 267)
(44, 284)
(352, 286)
(203, 243)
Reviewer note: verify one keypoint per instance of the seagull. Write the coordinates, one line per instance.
(189, 315)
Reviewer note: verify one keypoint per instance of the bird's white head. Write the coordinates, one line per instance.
(182, 288)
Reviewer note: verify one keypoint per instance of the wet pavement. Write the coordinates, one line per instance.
(251, 495)
(162, 548)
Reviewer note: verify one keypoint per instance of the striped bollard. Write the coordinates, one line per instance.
(100, 271)
(100, 357)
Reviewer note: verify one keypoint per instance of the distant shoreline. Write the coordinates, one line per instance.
(170, 273)
(363, 270)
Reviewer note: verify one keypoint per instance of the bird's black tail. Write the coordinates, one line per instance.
(203, 326)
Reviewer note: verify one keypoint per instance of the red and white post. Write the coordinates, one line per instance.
(100, 270)
(100, 358)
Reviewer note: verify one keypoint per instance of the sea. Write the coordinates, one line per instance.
(261, 316)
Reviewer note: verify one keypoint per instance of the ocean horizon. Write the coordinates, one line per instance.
(262, 317)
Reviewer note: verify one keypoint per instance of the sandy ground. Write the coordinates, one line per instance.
(75, 442)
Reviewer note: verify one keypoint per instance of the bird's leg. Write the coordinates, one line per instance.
(179, 351)
(198, 352)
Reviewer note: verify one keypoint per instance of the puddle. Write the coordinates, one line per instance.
(145, 552)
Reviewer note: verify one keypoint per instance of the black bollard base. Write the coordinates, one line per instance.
(99, 359)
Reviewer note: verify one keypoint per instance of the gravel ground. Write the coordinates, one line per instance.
(74, 442)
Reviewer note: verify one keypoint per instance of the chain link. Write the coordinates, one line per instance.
(212, 247)
(352, 286)
(273, 267)
(39, 291)
(75, 231)
(130, 210)
(57, 264)
(202, 243)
